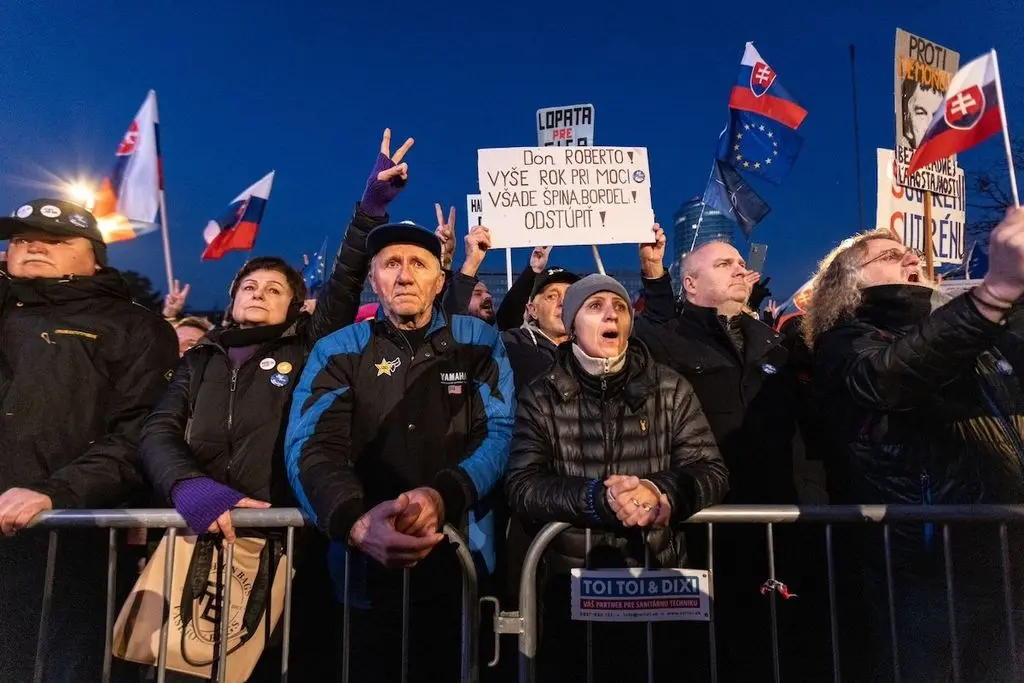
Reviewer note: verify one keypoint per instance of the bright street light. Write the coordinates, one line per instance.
(82, 194)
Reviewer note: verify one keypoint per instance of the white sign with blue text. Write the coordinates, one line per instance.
(640, 595)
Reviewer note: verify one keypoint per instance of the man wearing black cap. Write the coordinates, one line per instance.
(81, 366)
(400, 425)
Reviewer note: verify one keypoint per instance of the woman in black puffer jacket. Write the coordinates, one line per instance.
(609, 441)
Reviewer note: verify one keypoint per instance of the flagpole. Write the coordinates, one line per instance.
(700, 218)
(856, 139)
(1006, 131)
(165, 233)
(597, 259)
(167, 240)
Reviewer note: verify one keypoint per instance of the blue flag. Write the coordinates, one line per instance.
(758, 145)
(313, 272)
(729, 193)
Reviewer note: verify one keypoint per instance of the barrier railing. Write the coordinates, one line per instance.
(525, 622)
(287, 518)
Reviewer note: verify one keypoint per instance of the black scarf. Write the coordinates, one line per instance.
(248, 336)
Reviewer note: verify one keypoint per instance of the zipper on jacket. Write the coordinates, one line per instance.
(926, 499)
(606, 429)
(231, 398)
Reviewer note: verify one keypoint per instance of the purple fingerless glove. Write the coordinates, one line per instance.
(202, 500)
(377, 194)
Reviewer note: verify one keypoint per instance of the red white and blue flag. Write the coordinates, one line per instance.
(128, 200)
(968, 116)
(757, 89)
(238, 227)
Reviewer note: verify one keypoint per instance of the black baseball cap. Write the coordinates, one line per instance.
(406, 232)
(55, 217)
(551, 276)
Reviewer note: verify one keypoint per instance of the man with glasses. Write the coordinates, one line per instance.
(923, 407)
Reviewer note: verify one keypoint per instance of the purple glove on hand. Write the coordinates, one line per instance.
(378, 194)
(202, 500)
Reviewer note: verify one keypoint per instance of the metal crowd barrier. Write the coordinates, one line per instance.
(525, 622)
(289, 518)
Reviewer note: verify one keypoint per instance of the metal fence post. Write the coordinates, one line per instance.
(286, 629)
(528, 601)
(108, 636)
(161, 661)
(44, 615)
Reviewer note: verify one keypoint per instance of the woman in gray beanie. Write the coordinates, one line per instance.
(610, 441)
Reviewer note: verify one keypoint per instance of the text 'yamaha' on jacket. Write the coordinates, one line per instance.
(81, 366)
(228, 423)
(571, 431)
(373, 418)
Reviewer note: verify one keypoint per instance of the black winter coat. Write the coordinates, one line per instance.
(922, 409)
(239, 416)
(570, 432)
(81, 366)
(750, 401)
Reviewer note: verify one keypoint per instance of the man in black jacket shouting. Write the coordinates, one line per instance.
(81, 366)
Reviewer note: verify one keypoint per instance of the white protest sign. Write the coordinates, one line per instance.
(474, 209)
(585, 195)
(901, 210)
(640, 595)
(570, 126)
(923, 72)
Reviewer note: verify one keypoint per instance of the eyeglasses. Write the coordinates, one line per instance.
(893, 255)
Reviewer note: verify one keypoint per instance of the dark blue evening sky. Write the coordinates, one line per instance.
(306, 88)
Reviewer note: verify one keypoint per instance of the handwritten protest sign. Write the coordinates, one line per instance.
(901, 209)
(568, 196)
(474, 209)
(923, 72)
(568, 126)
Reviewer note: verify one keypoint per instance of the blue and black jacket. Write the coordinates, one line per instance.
(371, 420)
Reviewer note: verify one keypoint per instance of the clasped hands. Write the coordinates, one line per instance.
(399, 533)
(637, 502)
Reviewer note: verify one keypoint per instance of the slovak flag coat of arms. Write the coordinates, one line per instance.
(761, 78)
(969, 115)
(757, 89)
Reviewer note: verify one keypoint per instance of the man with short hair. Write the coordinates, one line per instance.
(399, 425)
(81, 366)
(739, 370)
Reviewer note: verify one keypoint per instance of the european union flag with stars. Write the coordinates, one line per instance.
(759, 146)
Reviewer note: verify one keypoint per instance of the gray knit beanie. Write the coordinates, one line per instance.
(582, 290)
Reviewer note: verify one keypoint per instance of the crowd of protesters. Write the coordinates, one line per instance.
(569, 403)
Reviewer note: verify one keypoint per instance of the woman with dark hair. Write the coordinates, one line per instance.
(215, 441)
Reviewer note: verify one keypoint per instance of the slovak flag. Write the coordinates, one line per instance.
(757, 89)
(237, 228)
(128, 200)
(968, 116)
